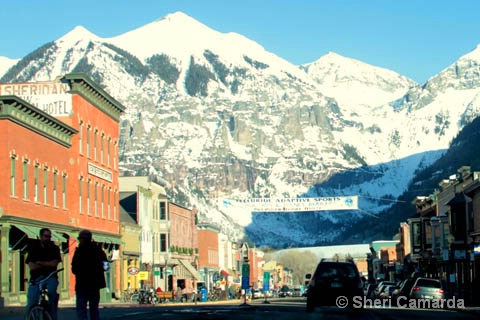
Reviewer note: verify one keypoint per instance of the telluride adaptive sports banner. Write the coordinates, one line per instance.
(295, 204)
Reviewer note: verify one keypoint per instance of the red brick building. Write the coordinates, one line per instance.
(58, 160)
(208, 253)
(183, 248)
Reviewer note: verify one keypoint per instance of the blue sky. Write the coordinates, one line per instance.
(417, 39)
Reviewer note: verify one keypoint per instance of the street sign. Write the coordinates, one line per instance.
(245, 270)
(245, 276)
(143, 275)
(133, 271)
(266, 281)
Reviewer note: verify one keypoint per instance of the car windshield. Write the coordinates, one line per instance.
(428, 283)
(336, 271)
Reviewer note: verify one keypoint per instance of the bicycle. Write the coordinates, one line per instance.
(134, 297)
(40, 311)
(127, 295)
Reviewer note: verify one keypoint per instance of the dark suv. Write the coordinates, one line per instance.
(335, 284)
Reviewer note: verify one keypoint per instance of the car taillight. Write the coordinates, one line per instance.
(440, 291)
(416, 289)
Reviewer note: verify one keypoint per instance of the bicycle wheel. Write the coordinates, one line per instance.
(135, 298)
(38, 313)
(126, 297)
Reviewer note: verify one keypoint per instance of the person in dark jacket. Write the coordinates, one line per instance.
(43, 258)
(88, 268)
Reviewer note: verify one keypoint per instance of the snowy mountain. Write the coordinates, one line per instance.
(6, 63)
(216, 116)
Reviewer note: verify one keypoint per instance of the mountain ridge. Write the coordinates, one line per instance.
(214, 126)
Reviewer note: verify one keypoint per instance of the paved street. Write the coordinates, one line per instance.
(278, 309)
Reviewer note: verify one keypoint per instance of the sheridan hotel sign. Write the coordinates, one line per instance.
(49, 96)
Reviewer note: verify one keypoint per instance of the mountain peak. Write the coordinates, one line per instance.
(178, 17)
(79, 32)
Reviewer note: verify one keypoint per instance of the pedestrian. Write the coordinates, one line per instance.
(88, 267)
(42, 259)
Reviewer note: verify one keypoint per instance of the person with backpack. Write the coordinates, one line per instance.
(88, 265)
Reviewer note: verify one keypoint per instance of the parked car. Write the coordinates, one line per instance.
(296, 292)
(368, 289)
(331, 280)
(387, 291)
(403, 290)
(305, 292)
(285, 291)
(427, 288)
(380, 287)
(257, 294)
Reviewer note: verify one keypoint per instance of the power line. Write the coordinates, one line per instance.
(381, 199)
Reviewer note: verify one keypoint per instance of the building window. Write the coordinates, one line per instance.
(115, 155)
(25, 179)
(88, 141)
(80, 195)
(163, 242)
(102, 148)
(80, 138)
(45, 185)
(88, 197)
(95, 198)
(103, 201)
(35, 182)
(55, 199)
(416, 235)
(163, 210)
(109, 203)
(64, 191)
(115, 205)
(95, 138)
(13, 176)
(109, 142)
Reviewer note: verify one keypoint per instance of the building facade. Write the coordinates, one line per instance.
(183, 250)
(146, 203)
(59, 158)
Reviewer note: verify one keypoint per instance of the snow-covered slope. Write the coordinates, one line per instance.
(6, 63)
(217, 116)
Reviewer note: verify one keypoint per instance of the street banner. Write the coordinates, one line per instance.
(294, 204)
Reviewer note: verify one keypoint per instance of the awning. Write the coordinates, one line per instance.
(99, 238)
(30, 231)
(33, 232)
(107, 239)
(196, 275)
(116, 240)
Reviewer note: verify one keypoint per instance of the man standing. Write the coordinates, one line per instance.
(88, 267)
(43, 258)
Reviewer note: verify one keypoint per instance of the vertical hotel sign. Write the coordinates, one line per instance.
(52, 97)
